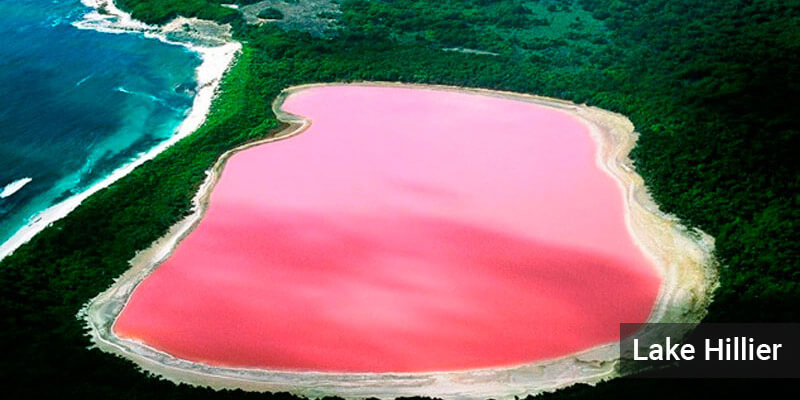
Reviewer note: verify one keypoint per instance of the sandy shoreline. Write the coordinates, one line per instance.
(215, 61)
(682, 257)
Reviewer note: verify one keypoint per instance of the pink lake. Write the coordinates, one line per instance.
(406, 230)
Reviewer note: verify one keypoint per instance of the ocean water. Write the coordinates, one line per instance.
(77, 104)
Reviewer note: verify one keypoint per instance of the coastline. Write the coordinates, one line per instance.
(215, 61)
(682, 257)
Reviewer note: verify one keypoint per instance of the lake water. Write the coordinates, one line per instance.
(406, 230)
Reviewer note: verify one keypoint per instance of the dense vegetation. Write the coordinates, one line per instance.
(709, 84)
(159, 12)
(270, 13)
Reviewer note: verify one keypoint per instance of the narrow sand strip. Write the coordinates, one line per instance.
(14, 187)
(215, 61)
(683, 258)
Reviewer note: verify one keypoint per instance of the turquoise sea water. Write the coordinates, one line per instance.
(77, 104)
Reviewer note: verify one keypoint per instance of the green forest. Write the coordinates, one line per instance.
(709, 84)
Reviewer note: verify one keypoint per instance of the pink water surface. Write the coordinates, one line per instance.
(405, 230)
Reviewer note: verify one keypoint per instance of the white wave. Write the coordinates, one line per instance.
(155, 99)
(14, 187)
(80, 82)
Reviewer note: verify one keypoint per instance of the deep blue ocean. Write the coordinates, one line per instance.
(77, 104)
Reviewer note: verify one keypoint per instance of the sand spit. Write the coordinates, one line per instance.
(217, 52)
(14, 187)
(683, 258)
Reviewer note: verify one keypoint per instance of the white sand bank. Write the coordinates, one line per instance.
(14, 187)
